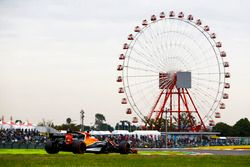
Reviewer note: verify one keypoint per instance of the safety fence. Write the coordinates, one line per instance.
(15, 145)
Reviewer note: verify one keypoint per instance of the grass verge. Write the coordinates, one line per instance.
(18, 157)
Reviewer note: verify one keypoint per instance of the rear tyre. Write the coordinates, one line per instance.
(51, 147)
(78, 147)
(124, 147)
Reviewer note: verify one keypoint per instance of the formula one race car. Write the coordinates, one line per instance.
(81, 142)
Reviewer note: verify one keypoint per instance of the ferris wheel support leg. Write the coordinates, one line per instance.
(168, 93)
(153, 109)
(202, 123)
(184, 100)
(170, 110)
(179, 111)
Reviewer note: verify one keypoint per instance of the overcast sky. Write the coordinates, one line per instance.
(60, 56)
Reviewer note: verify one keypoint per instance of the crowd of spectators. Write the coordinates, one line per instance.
(21, 137)
(176, 141)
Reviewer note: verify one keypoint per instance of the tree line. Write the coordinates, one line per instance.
(100, 124)
(240, 128)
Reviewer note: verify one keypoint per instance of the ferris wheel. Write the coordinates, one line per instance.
(172, 67)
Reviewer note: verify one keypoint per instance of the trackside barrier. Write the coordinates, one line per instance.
(21, 145)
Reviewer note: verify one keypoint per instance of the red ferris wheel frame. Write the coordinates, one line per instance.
(183, 96)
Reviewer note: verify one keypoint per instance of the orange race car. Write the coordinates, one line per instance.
(80, 142)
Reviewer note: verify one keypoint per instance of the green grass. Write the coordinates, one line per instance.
(26, 151)
(11, 158)
(41, 151)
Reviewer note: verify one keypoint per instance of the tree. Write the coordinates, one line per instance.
(186, 122)
(42, 123)
(242, 127)
(99, 123)
(72, 127)
(224, 129)
(18, 120)
(48, 123)
(123, 125)
(68, 120)
(106, 127)
(99, 118)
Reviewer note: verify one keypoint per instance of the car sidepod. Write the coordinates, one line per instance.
(97, 147)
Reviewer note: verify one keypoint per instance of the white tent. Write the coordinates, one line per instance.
(5, 126)
(46, 129)
(12, 125)
(120, 132)
(100, 132)
(140, 133)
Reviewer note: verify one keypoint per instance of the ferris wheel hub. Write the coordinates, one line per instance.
(178, 79)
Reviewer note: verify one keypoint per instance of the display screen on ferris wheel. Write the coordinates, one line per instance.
(173, 67)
